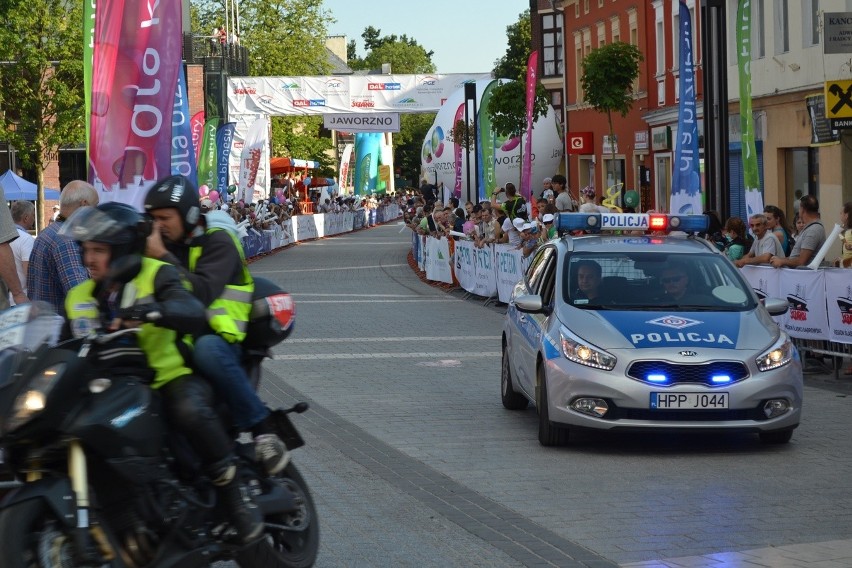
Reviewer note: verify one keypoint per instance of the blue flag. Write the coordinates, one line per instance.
(224, 139)
(183, 160)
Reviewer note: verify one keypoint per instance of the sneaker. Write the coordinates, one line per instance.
(271, 452)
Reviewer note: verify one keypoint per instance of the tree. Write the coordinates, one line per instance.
(406, 56)
(41, 83)
(609, 73)
(513, 64)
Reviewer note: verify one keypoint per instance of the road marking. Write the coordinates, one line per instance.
(300, 294)
(291, 270)
(406, 355)
(400, 300)
(392, 339)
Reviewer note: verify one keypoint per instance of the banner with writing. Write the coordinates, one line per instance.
(184, 162)
(805, 290)
(509, 262)
(838, 296)
(438, 260)
(463, 265)
(751, 177)
(224, 143)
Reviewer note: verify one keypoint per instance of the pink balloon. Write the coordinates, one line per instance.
(241, 203)
(214, 196)
(203, 190)
(280, 195)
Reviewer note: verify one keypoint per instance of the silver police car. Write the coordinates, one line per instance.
(646, 330)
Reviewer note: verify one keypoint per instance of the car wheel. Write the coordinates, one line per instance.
(776, 437)
(511, 399)
(549, 434)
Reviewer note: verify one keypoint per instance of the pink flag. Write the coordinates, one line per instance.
(196, 127)
(137, 56)
(526, 165)
(458, 153)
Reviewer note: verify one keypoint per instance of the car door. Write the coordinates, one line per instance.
(530, 326)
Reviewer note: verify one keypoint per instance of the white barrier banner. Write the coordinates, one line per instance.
(438, 260)
(486, 276)
(287, 233)
(838, 295)
(764, 282)
(306, 227)
(509, 262)
(805, 290)
(463, 265)
(421, 252)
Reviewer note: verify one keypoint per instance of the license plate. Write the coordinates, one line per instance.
(689, 400)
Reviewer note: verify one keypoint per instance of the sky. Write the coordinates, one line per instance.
(467, 36)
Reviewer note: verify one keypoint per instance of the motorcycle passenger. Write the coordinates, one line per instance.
(209, 255)
(151, 295)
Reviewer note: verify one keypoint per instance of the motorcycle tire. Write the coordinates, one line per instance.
(295, 547)
(32, 537)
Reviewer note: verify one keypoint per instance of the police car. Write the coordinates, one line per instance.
(646, 327)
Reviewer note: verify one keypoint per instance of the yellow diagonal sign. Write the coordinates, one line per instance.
(838, 99)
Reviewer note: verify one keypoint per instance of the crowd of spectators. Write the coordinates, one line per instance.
(765, 238)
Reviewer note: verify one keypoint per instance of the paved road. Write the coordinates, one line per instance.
(414, 462)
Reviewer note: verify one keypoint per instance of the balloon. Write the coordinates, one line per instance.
(631, 198)
(307, 182)
(232, 189)
(241, 203)
(280, 195)
(214, 196)
(203, 190)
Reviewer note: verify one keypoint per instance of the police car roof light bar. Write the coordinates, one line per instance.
(689, 223)
(590, 222)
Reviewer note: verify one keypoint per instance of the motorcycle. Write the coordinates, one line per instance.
(104, 483)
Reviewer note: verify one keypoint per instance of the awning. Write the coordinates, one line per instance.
(283, 165)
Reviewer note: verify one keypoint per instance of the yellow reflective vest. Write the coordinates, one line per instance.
(229, 314)
(158, 343)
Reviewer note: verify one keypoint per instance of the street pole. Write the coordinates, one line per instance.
(715, 74)
(476, 144)
(469, 94)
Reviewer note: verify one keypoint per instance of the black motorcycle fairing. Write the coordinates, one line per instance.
(56, 491)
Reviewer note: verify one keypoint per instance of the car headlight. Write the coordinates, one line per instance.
(776, 356)
(32, 399)
(584, 353)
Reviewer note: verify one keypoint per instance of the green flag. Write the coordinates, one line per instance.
(207, 159)
(751, 177)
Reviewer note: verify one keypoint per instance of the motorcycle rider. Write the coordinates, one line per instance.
(151, 295)
(209, 255)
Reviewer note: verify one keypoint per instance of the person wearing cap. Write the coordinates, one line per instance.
(55, 213)
(549, 231)
(529, 238)
(512, 228)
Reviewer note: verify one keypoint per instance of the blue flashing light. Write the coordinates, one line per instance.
(657, 378)
(579, 222)
(689, 223)
(720, 379)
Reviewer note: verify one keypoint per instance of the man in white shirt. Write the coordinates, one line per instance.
(23, 214)
(765, 244)
(564, 201)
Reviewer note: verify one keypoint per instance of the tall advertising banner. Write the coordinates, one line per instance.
(457, 155)
(751, 177)
(254, 151)
(135, 65)
(686, 182)
(366, 161)
(184, 162)
(196, 127)
(485, 147)
(224, 142)
(207, 160)
(526, 166)
(343, 173)
(89, 7)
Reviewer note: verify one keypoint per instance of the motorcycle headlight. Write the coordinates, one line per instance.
(32, 399)
(776, 356)
(584, 353)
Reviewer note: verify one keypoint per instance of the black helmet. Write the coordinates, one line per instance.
(116, 224)
(179, 193)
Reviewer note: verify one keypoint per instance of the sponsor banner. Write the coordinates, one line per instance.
(336, 95)
(509, 262)
(486, 276)
(764, 282)
(362, 122)
(135, 61)
(805, 290)
(254, 161)
(486, 146)
(751, 177)
(89, 13)
(184, 161)
(463, 265)
(838, 295)
(196, 127)
(224, 142)
(438, 260)
(526, 164)
(421, 252)
(344, 178)
(207, 160)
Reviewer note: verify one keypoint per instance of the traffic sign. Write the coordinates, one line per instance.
(838, 99)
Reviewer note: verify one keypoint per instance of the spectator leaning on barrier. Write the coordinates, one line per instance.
(736, 242)
(845, 258)
(809, 240)
(765, 244)
(776, 221)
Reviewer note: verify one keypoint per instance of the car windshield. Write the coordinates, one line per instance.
(655, 281)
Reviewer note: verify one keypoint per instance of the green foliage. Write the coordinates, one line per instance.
(41, 81)
(301, 137)
(513, 64)
(404, 54)
(508, 107)
(608, 76)
(409, 141)
(462, 134)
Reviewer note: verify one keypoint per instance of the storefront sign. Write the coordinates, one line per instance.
(640, 140)
(581, 142)
(661, 138)
(837, 34)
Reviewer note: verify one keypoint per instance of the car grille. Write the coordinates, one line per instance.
(677, 373)
(616, 413)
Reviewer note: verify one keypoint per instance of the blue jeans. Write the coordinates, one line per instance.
(219, 362)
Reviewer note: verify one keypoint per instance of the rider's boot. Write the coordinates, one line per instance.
(244, 514)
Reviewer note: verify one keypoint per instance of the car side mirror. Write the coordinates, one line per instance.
(530, 304)
(776, 306)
